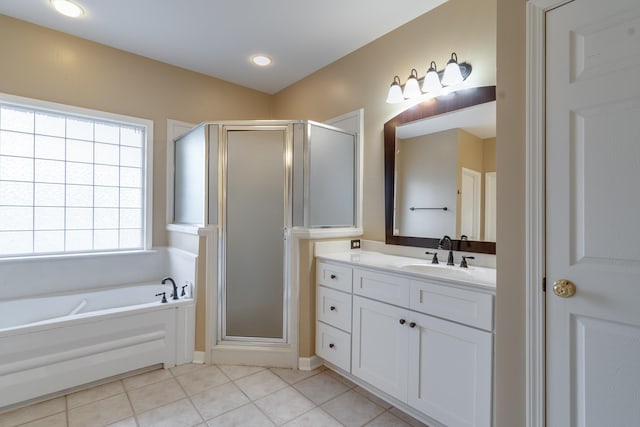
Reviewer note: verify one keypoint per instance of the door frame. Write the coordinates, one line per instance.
(535, 209)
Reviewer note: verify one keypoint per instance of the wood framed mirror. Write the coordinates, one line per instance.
(434, 186)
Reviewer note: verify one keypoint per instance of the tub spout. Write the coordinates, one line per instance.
(175, 288)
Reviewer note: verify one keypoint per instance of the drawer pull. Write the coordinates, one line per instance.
(412, 324)
(332, 308)
(332, 345)
(402, 321)
(333, 277)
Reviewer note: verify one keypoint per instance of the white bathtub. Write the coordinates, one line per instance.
(53, 343)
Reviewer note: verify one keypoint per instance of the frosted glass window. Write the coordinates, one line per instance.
(49, 171)
(17, 119)
(79, 151)
(107, 175)
(79, 129)
(130, 156)
(70, 182)
(16, 144)
(106, 132)
(48, 241)
(16, 169)
(107, 154)
(16, 193)
(49, 219)
(49, 147)
(49, 194)
(50, 124)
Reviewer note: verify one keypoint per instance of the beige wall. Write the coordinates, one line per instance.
(511, 246)
(48, 65)
(489, 159)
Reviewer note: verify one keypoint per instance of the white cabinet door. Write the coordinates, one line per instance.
(450, 371)
(379, 353)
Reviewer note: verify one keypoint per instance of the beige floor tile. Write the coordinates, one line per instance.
(314, 418)
(218, 400)
(186, 368)
(127, 422)
(293, 376)
(102, 412)
(284, 405)
(350, 384)
(33, 412)
(180, 413)
(407, 418)
(237, 371)
(202, 379)
(387, 419)
(352, 409)
(321, 388)
(155, 395)
(260, 384)
(58, 420)
(372, 397)
(147, 378)
(245, 416)
(94, 394)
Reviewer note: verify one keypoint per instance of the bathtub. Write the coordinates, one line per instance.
(53, 343)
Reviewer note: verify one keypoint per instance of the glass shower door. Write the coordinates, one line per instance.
(255, 217)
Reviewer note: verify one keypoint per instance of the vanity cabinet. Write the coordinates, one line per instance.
(425, 343)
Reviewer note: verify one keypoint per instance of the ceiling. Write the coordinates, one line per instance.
(218, 37)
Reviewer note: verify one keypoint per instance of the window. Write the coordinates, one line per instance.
(71, 180)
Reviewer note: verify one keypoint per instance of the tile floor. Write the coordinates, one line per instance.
(222, 395)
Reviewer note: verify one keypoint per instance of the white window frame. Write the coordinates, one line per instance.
(147, 185)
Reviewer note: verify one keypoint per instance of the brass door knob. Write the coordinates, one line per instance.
(564, 288)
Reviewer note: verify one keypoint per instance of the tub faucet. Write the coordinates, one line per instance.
(175, 288)
(440, 246)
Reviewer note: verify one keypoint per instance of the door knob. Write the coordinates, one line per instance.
(564, 288)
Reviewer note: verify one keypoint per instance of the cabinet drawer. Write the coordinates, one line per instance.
(333, 345)
(334, 307)
(334, 276)
(383, 287)
(460, 305)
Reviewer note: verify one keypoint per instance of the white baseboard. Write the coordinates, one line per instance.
(309, 363)
(198, 357)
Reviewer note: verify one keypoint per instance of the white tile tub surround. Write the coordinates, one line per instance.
(50, 343)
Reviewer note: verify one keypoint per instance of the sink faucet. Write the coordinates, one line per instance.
(440, 246)
(175, 288)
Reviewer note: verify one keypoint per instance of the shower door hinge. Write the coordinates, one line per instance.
(544, 284)
(284, 233)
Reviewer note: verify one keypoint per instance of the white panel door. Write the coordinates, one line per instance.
(470, 204)
(379, 346)
(593, 212)
(450, 369)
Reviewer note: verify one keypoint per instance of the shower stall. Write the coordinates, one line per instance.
(255, 182)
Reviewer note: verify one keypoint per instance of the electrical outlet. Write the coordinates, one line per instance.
(355, 244)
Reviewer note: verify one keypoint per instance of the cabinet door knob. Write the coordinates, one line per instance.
(332, 345)
(333, 277)
(412, 324)
(402, 321)
(332, 308)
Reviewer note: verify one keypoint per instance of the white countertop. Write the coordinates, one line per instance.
(478, 276)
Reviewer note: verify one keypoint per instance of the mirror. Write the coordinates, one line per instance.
(440, 172)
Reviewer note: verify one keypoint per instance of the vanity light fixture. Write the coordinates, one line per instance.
(434, 82)
(67, 8)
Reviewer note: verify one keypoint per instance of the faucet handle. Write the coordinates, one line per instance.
(463, 263)
(435, 257)
(164, 297)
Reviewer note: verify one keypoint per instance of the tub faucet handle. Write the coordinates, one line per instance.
(164, 297)
(184, 294)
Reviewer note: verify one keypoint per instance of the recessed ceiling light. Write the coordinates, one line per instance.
(67, 8)
(261, 60)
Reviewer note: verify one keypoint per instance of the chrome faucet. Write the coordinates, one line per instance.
(175, 288)
(440, 246)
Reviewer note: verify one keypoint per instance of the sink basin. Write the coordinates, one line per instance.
(471, 274)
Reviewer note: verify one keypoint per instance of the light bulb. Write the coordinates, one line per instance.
(395, 92)
(431, 81)
(452, 75)
(411, 87)
(67, 8)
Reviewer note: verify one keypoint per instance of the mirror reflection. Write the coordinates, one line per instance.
(440, 172)
(445, 175)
